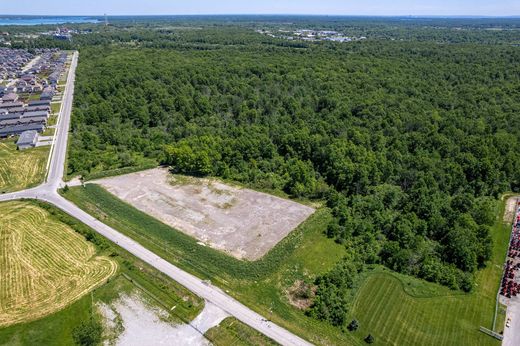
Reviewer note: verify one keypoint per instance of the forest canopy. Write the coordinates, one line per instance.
(409, 143)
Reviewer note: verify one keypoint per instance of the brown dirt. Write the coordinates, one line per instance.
(511, 205)
(301, 295)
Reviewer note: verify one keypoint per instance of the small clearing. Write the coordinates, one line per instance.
(241, 222)
(301, 295)
(511, 204)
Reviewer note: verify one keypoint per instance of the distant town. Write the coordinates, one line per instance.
(310, 35)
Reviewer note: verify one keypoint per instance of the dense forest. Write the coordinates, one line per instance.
(408, 142)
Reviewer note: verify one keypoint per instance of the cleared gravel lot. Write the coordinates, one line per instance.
(243, 223)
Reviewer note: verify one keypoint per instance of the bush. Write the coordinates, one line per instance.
(353, 326)
(369, 339)
(88, 333)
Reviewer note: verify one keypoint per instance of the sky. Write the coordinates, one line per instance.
(328, 7)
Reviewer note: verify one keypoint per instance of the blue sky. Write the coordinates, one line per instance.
(341, 7)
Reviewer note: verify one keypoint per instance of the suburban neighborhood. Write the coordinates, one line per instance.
(29, 85)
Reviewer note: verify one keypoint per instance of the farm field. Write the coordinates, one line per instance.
(211, 211)
(44, 265)
(59, 327)
(21, 169)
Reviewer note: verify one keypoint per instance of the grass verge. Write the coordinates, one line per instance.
(233, 332)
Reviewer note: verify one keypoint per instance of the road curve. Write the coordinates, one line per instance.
(47, 192)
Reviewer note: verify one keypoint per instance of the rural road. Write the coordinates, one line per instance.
(48, 192)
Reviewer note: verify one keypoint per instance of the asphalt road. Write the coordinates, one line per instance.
(512, 333)
(48, 192)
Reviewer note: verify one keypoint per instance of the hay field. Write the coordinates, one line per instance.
(44, 265)
(21, 169)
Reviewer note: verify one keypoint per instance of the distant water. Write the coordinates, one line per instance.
(45, 20)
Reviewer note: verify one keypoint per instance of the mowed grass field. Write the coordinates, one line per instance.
(401, 310)
(44, 264)
(233, 332)
(21, 169)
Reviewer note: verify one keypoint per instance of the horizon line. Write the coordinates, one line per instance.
(475, 16)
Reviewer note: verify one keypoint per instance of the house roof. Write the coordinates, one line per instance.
(27, 138)
(39, 102)
(16, 129)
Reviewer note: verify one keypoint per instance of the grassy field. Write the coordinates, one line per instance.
(48, 132)
(57, 327)
(233, 332)
(21, 169)
(415, 312)
(55, 108)
(44, 265)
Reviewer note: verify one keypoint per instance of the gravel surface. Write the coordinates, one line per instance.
(133, 322)
(241, 222)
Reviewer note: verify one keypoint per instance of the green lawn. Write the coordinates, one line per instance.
(233, 332)
(394, 308)
(55, 108)
(56, 329)
(399, 310)
(21, 169)
(48, 132)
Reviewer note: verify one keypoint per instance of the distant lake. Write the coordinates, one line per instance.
(29, 20)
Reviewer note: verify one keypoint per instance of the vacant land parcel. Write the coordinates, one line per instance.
(241, 222)
(44, 265)
(21, 169)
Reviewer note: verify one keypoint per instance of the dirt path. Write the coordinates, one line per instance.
(511, 204)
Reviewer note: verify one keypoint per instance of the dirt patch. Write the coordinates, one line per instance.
(243, 223)
(511, 204)
(301, 294)
(132, 321)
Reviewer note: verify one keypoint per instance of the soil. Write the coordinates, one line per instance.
(301, 295)
(511, 205)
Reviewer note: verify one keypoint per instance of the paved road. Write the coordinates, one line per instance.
(48, 192)
(512, 333)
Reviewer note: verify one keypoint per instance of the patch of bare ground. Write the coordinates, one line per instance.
(511, 204)
(241, 222)
(301, 294)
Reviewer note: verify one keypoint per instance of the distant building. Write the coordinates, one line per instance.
(39, 103)
(19, 129)
(47, 94)
(28, 139)
(10, 105)
(11, 97)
